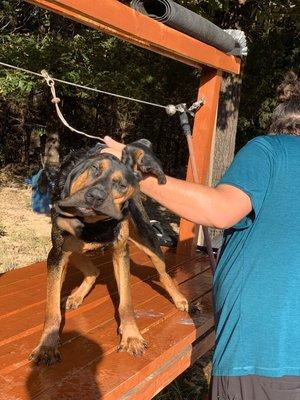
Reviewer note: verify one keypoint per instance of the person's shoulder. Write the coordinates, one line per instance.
(276, 143)
(274, 147)
(268, 143)
(264, 140)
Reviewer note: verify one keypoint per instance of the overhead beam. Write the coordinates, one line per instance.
(115, 18)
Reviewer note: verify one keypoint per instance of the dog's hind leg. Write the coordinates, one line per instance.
(90, 272)
(132, 341)
(47, 350)
(143, 235)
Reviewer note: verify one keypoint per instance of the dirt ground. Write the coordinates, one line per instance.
(24, 234)
(25, 238)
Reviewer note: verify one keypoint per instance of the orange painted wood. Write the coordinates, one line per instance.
(164, 375)
(115, 18)
(31, 308)
(113, 372)
(91, 366)
(17, 324)
(23, 279)
(38, 284)
(203, 132)
(35, 269)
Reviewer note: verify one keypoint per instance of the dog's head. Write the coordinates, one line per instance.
(100, 185)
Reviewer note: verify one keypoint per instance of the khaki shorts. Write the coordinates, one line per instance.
(253, 387)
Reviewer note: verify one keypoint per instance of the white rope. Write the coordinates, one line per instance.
(55, 100)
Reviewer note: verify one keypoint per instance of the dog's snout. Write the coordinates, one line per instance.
(95, 197)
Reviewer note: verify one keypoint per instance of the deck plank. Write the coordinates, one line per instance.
(168, 371)
(31, 312)
(91, 332)
(18, 325)
(38, 269)
(15, 281)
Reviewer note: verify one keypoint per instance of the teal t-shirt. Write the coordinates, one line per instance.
(257, 280)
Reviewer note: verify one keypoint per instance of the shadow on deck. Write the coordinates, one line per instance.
(91, 367)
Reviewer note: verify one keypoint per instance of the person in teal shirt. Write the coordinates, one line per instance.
(257, 279)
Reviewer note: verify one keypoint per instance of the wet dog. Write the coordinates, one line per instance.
(96, 204)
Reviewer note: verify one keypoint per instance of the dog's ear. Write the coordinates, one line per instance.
(139, 157)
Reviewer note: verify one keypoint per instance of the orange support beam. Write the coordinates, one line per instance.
(115, 18)
(203, 132)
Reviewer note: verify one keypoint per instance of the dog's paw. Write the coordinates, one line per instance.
(71, 302)
(134, 345)
(45, 355)
(182, 304)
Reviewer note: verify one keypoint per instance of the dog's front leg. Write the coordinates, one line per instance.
(132, 341)
(47, 350)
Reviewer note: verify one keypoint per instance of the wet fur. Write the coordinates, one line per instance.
(75, 236)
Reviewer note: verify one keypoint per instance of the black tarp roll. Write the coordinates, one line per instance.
(186, 21)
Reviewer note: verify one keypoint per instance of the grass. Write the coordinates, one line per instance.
(24, 235)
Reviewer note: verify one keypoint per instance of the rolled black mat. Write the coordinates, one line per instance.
(186, 21)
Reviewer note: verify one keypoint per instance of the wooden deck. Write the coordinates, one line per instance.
(91, 368)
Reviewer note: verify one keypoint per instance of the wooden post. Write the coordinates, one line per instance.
(203, 132)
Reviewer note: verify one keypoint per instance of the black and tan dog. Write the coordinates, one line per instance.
(97, 203)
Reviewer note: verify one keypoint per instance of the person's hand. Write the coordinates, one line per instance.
(145, 161)
(115, 148)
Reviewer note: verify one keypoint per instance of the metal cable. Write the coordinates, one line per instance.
(85, 87)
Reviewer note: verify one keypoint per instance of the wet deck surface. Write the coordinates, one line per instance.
(91, 368)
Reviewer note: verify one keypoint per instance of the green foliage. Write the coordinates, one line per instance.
(36, 39)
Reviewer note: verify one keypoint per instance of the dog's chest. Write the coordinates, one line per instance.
(90, 237)
(93, 247)
(101, 232)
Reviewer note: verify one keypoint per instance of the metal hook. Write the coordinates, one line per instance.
(172, 109)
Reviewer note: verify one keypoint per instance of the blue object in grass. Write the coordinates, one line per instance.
(41, 192)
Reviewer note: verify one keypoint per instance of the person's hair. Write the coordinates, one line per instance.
(286, 116)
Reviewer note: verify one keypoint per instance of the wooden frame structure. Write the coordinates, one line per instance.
(115, 18)
(176, 339)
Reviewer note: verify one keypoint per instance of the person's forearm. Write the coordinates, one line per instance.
(219, 207)
(197, 203)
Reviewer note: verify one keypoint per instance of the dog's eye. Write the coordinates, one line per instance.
(95, 171)
(119, 184)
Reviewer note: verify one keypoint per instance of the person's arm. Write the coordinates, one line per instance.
(219, 207)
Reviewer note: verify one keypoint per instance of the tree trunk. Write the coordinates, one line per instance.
(224, 144)
(226, 125)
(51, 156)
